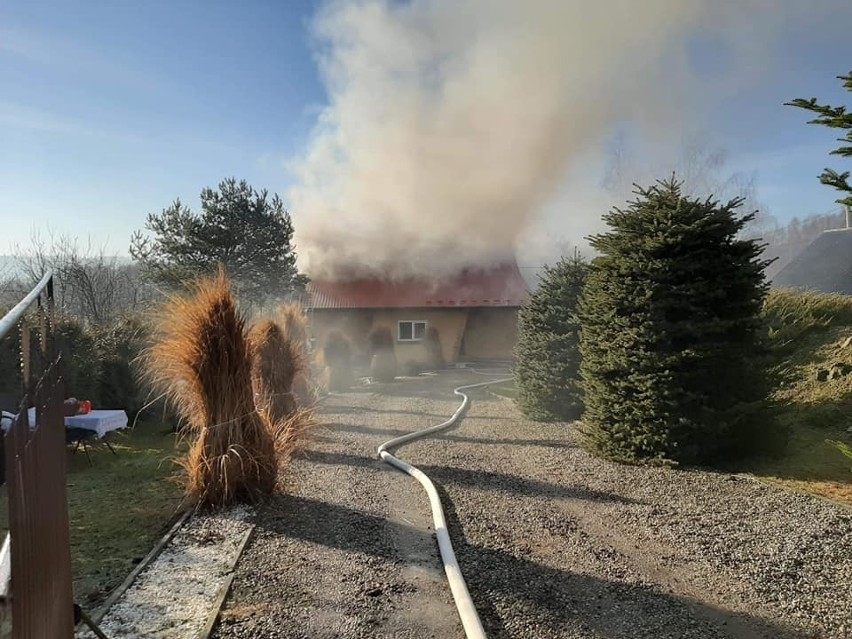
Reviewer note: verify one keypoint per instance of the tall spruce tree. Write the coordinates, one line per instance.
(834, 118)
(670, 331)
(548, 355)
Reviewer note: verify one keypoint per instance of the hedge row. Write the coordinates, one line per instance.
(98, 362)
(658, 343)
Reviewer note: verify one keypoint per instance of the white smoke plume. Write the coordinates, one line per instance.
(453, 124)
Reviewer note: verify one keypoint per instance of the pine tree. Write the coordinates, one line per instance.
(242, 229)
(548, 356)
(834, 118)
(670, 330)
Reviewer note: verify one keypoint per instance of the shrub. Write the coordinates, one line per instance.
(294, 323)
(337, 351)
(670, 331)
(337, 355)
(11, 379)
(380, 339)
(383, 364)
(118, 346)
(383, 367)
(201, 359)
(98, 361)
(81, 364)
(320, 373)
(280, 371)
(73, 339)
(547, 355)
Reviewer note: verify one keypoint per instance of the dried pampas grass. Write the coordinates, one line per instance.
(292, 432)
(201, 360)
(294, 322)
(279, 374)
(275, 364)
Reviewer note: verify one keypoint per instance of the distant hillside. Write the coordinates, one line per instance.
(9, 267)
(810, 345)
(824, 265)
(787, 242)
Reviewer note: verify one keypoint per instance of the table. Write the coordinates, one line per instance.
(99, 421)
(79, 428)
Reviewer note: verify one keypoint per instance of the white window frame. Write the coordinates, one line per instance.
(399, 324)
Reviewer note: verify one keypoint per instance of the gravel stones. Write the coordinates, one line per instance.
(173, 596)
(554, 543)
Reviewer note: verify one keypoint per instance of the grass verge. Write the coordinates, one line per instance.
(811, 341)
(118, 507)
(809, 464)
(508, 390)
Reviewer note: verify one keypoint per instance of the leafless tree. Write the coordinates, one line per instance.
(89, 284)
(703, 169)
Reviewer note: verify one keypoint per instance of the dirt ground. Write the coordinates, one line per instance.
(553, 542)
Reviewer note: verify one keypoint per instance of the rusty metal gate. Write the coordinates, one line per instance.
(35, 474)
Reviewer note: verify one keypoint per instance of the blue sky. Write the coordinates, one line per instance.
(110, 110)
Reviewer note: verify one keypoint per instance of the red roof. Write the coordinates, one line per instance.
(472, 287)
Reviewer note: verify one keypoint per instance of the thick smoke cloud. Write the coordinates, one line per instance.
(453, 124)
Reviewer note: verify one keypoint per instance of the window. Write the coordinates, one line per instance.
(412, 331)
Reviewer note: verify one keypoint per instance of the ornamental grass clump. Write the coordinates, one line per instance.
(294, 323)
(201, 361)
(279, 362)
(275, 364)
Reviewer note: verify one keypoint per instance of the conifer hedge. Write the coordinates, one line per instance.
(547, 353)
(671, 331)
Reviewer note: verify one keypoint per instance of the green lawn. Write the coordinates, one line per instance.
(508, 390)
(118, 506)
(810, 405)
(813, 338)
(810, 464)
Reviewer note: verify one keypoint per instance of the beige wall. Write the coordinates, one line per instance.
(449, 323)
(485, 333)
(356, 325)
(491, 333)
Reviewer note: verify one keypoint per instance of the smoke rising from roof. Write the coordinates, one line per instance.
(452, 124)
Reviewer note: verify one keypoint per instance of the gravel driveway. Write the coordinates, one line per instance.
(553, 542)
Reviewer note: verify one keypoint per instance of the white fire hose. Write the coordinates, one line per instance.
(467, 611)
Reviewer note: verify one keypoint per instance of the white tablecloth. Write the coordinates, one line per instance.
(100, 421)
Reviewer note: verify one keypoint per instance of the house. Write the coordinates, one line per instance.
(472, 314)
(825, 265)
